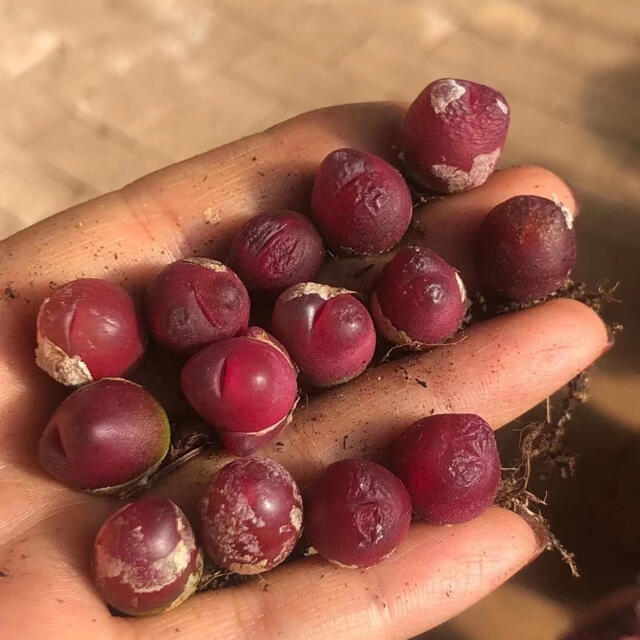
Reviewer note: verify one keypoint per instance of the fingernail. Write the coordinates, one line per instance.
(574, 195)
(540, 531)
(611, 337)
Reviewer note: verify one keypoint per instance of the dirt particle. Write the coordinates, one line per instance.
(211, 216)
(422, 383)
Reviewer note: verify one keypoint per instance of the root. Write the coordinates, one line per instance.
(543, 447)
(180, 452)
(604, 293)
(214, 577)
(543, 450)
(515, 496)
(360, 272)
(419, 194)
(404, 349)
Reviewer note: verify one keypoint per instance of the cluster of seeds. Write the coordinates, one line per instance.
(110, 434)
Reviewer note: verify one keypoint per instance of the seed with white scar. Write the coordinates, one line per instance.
(458, 180)
(445, 92)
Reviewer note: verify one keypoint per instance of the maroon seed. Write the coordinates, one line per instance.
(87, 330)
(450, 466)
(245, 387)
(276, 250)
(105, 435)
(525, 248)
(326, 330)
(360, 203)
(145, 558)
(251, 516)
(453, 134)
(419, 299)
(194, 302)
(357, 512)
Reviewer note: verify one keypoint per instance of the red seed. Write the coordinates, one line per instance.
(357, 513)
(105, 435)
(453, 134)
(274, 251)
(450, 465)
(251, 516)
(327, 331)
(194, 302)
(145, 558)
(360, 203)
(419, 299)
(525, 248)
(244, 387)
(87, 330)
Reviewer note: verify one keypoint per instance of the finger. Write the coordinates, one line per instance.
(436, 573)
(193, 207)
(498, 369)
(448, 225)
(501, 368)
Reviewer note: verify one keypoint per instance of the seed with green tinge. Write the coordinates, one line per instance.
(104, 435)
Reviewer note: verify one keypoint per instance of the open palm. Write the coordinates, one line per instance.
(502, 368)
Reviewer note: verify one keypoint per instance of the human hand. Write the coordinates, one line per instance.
(502, 368)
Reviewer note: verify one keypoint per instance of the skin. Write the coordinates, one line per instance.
(504, 367)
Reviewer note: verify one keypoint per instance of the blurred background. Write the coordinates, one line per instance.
(94, 94)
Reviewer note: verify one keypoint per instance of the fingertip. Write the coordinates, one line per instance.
(434, 574)
(582, 324)
(530, 531)
(538, 181)
(368, 126)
